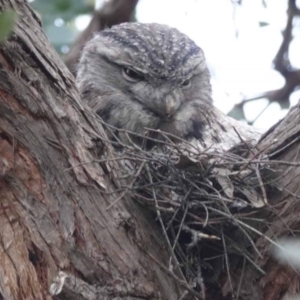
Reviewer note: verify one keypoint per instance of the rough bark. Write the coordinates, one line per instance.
(53, 212)
(280, 281)
(55, 225)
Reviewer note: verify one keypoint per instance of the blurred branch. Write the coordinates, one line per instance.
(281, 60)
(292, 80)
(113, 12)
(282, 65)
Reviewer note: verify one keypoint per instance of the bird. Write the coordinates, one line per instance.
(146, 76)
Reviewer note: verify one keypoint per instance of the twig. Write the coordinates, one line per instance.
(130, 186)
(226, 260)
(170, 273)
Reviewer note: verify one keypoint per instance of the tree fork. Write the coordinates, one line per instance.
(54, 219)
(53, 211)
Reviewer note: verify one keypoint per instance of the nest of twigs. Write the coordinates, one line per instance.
(204, 201)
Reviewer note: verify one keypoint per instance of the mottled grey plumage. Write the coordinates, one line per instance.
(138, 76)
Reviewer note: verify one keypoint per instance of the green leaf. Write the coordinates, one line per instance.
(263, 24)
(237, 112)
(7, 21)
(63, 5)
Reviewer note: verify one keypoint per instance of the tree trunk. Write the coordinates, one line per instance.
(54, 204)
(56, 229)
(281, 144)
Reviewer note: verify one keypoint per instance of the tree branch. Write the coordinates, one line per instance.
(112, 13)
(282, 65)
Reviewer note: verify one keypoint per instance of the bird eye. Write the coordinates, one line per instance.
(186, 84)
(132, 75)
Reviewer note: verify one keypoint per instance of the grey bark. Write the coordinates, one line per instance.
(53, 212)
(54, 195)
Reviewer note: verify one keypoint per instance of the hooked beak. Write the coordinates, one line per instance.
(171, 105)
